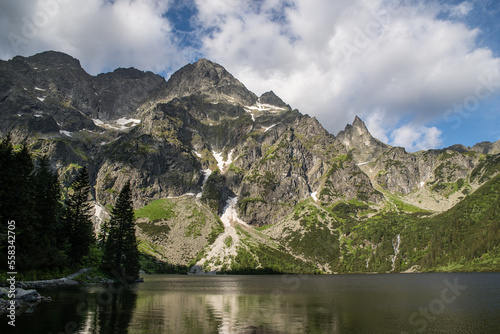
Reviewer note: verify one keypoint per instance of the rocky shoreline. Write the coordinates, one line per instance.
(83, 278)
(24, 302)
(27, 297)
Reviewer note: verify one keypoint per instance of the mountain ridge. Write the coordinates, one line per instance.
(202, 139)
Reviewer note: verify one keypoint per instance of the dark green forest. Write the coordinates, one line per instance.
(54, 234)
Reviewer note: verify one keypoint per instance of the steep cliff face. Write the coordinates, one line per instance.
(266, 154)
(51, 94)
(44, 94)
(360, 143)
(433, 180)
(123, 91)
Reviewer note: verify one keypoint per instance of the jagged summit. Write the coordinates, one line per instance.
(50, 93)
(487, 147)
(359, 124)
(209, 80)
(272, 99)
(359, 141)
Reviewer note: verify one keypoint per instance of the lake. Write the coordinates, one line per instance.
(382, 303)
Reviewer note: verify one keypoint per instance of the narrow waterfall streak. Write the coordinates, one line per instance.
(395, 245)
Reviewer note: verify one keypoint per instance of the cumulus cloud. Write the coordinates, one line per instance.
(415, 139)
(102, 34)
(461, 9)
(378, 126)
(334, 59)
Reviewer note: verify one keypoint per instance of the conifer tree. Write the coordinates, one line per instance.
(47, 207)
(77, 221)
(6, 189)
(121, 255)
(22, 209)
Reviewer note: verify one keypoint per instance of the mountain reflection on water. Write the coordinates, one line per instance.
(397, 303)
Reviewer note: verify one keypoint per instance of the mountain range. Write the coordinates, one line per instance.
(227, 181)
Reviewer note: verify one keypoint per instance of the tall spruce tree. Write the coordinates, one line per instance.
(48, 209)
(7, 186)
(22, 204)
(77, 221)
(121, 255)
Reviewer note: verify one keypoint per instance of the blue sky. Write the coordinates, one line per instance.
(422, 74)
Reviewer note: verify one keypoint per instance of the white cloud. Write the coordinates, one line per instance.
(378, 127)
(102, 34)
(411, 136)
(460, 10)
(416, 138)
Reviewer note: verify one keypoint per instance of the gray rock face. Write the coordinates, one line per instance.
(273, 99)
(487, 147)
(25, 301)
(50, 91)
(398, 171)
(123, 91)
(360, 143)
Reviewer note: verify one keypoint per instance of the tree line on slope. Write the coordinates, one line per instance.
(55, 236)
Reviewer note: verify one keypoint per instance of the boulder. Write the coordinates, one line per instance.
(27, 295)
(3, 292)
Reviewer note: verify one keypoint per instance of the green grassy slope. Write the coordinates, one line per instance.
(464, 238)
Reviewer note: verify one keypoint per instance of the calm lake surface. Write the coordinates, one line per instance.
(395, 303)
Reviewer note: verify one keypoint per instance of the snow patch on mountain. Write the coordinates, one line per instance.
(264, 107)
(98, 122)
(269, 127)
(230, 214)
(183, 195)
(120, 124)
(221, 163)
(364, 163)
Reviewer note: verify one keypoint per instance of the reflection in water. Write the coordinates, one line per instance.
(312, 304)
(108, 310)
(275, 304)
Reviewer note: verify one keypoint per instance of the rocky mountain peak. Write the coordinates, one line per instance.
(272, 99)
(209, 80)
(360, 126)
(487, 147)
(357, 139)
(53, 60)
